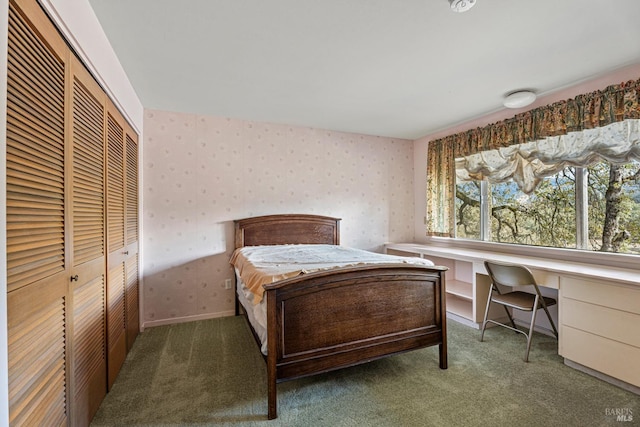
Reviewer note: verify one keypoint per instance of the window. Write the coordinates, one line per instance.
(595, 208)
(468, 210)
(614, 207)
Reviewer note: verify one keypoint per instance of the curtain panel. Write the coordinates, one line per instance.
(588, 111)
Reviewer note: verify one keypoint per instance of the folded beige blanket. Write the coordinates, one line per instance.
(261, 265)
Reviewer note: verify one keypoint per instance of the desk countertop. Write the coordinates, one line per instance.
(624, 275)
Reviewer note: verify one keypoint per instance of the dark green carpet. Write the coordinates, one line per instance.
(211, 373)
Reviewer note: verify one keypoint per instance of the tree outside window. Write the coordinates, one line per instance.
(550, 215)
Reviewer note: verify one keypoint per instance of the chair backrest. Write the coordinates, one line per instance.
(510, 274)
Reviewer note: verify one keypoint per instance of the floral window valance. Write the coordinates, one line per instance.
(594, 110)
(527, 164)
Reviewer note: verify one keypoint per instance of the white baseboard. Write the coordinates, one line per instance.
(604, 377)
(473, 324)
(184, 319)
(505, 319)
(463, 320)
(536, 328)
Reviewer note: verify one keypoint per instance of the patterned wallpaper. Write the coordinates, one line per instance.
(202, 172)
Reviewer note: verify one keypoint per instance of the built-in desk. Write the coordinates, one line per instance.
(598, 311)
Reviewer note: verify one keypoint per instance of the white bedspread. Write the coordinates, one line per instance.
(260, 265)
(256, 266)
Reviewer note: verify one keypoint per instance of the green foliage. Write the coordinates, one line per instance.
(547, 217)
(543, 218)
(468, 210)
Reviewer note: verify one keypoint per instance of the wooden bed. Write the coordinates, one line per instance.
(337, 318)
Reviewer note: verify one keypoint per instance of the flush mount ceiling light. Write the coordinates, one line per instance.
(461, 5)
(519, 99)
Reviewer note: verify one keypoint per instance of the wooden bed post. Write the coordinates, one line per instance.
(442, 307)
(272, 356)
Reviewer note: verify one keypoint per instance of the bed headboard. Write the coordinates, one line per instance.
(287, 229)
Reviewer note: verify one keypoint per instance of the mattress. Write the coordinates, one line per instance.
(256, 313)
(256, 266)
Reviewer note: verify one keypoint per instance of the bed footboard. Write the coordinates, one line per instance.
(335, 319)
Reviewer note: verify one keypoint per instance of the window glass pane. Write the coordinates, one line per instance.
(546, 217)
(614, 207)
(468, 210)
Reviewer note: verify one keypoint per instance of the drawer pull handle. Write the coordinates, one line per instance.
(74, 278)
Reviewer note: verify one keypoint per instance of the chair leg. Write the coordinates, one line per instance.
(533, 322)
(546, 310)
(510, 317)
(486, 312)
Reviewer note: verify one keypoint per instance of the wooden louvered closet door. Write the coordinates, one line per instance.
(116, 249)
(88, 263)
(37, 253)
(132, 312)
(122, 240)
(72, 229)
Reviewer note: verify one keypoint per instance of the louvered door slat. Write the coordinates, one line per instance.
(37, 349)
(23, 174)
(26, 154)
(35, 54)
(89, 361)
(33, 213)
(38, 332)
(35, 121)
(32, 137)
(89, 184)
(132, 191)
(48, 368)
(33, 155)
(29, 266)
(82, 154)
(40, 397)
(21, 201)
(44, 252)
(115, 303)
(44, 396)
(89, 340)
(32, 85)
(35, 200)
(116, 330)
(22, 183)
(36, 108)
(30, 186)
(132, 300)
(44, 91)
(24, 34)
(28, 227)
(115, 187)
(83, 127)
(87, 151)
(88, 173)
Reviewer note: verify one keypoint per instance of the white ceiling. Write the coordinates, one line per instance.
(398, 68)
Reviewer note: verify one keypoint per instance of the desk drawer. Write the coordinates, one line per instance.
(610, 357)
(601, 293)
(604, 321)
